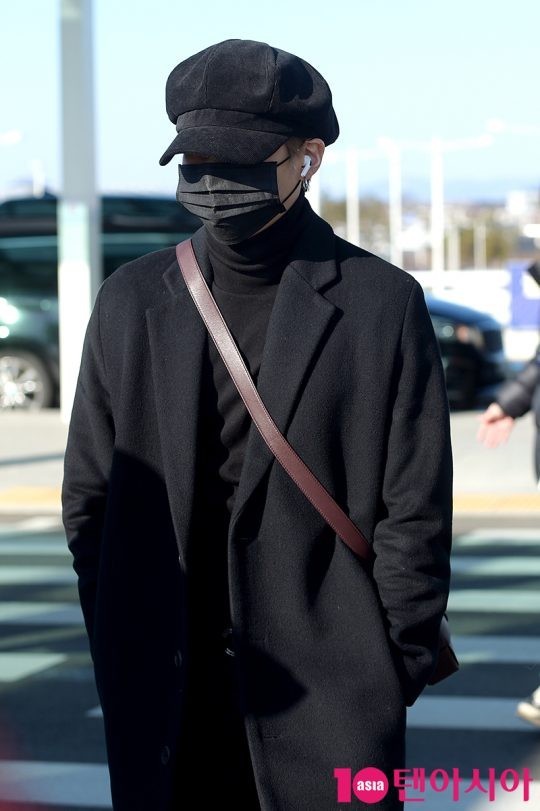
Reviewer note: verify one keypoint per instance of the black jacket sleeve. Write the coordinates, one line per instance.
(413, 540)
(515, 396)
(87, 464)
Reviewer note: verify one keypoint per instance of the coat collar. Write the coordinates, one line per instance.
(298, 325)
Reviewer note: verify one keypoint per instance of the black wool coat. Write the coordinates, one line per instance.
(330, 651)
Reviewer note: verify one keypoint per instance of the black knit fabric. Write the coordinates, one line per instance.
(245, 280)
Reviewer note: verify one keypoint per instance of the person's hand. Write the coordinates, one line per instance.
(495, 426)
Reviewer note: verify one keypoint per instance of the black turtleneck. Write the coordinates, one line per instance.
(256, 263)
(245, 279)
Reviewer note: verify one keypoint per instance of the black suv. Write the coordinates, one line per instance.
(29, 352)
(471, 344)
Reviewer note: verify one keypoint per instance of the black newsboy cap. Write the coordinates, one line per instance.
(239, 100)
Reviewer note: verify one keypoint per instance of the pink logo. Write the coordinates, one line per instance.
(369, 785)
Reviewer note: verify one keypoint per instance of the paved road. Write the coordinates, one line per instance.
(487, 479)
(51, 732)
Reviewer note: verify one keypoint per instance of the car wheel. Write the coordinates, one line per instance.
(24, 382)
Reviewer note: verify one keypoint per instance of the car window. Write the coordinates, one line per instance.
(118, 213)
(28, 265)
(121, 248)
(132, 226)
(31, 207)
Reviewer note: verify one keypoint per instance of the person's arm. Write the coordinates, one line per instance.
(515, 396)
(513, 400)
(87, 464)
(413, 539)
(495, 426)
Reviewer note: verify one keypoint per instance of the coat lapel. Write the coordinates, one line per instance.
(177, 337)
(298, 325)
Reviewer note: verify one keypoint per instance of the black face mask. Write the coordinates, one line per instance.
(233, 200)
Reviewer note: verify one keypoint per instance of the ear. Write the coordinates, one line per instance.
(314, 149)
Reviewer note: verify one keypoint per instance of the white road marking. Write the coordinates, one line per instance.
(19, 613)
(11, 575)
(483, 536)
(35, 523)
(494, 601)
(58, 784)
(502, 566)
(498, 649)
(16, 666)
(42, 547)
(467, 712)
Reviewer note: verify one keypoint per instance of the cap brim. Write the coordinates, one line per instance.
(227, 144)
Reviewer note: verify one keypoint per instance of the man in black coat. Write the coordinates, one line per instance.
(169, 534)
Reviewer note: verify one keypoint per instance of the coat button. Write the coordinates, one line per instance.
(228, 641)
(165, 755)
(178, 659)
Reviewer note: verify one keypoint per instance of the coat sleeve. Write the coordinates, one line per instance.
(87, 462)
(412, 540)
(515, 396)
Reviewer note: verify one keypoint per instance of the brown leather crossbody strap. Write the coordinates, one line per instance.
(284, 453)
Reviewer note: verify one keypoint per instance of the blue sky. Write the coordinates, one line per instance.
(408, 69)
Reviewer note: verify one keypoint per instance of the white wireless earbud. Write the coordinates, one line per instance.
(307, 166)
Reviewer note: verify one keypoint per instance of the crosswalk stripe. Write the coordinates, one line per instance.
(74, 784)
(490, 533)
(497, 649)
(45, 547)
(21, 575)
(509, 536)
(15, 666)
(497, 601)
(467, 712)
(34, 523)
(23, 613)
(506, 565)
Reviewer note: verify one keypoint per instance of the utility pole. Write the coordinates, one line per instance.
(395, 206)
(437, 213)
(480, 246)
(353, 199)
(79, 216)
(454, 248)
